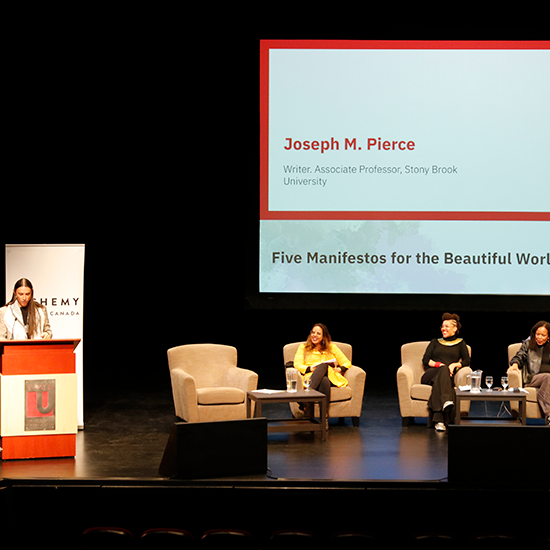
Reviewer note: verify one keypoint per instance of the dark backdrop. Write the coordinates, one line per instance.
(145, 148)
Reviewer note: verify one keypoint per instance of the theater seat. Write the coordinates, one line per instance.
(433, 541)
(96, 538)
(167, 539)
(356, 540)
(291, 539)
(494, 542)
(226, 539)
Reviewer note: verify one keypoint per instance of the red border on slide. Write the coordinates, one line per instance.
(266, 45)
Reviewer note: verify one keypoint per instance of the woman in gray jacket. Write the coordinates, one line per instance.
(533, 359)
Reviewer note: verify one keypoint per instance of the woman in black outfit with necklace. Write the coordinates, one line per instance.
(442, 359)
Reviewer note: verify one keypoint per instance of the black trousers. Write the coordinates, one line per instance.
(320, 381)
(443, 390)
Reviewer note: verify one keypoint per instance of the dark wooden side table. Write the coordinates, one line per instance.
(308, 423)
(495, 395)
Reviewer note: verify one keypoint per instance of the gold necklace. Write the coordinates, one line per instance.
(454, 342)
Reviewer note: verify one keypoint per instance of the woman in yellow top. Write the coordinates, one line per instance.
(322, 361)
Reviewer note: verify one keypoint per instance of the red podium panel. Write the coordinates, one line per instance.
(38, 398)
(37, 356)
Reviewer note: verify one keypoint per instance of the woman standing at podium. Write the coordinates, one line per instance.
(23, 318)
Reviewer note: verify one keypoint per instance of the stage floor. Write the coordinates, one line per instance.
(371, 470)
(125, 436)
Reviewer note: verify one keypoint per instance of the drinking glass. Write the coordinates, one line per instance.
(504, 381)
(489, 382)
(291, 380)
(307, 382)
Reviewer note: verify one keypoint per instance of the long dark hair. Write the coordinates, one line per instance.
(32, 319)
(325, 342)
(533, 341)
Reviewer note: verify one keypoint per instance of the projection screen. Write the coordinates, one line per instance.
(404, 167)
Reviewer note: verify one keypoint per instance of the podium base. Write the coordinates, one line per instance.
(38, 446)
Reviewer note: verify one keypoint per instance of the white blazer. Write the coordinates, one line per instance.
(12, 326)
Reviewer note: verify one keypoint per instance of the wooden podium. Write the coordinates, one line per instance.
(38, 398)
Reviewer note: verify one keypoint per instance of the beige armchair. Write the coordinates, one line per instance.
(414, 396)
(207, 385)
(347, 401)
(515, 380)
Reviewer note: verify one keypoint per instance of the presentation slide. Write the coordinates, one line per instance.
(405, 167)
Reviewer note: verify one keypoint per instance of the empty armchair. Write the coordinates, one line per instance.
(346, 401)
(207, 385)
(414, 396)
